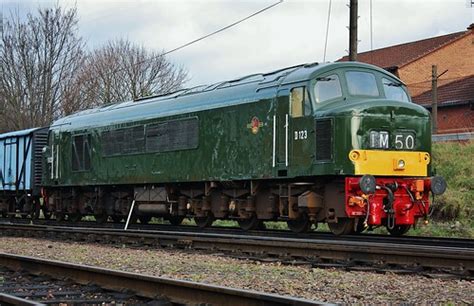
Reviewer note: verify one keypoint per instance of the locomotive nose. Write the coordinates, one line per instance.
(386, 124)
(389, 108)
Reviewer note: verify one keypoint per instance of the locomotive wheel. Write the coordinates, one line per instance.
(302, 224)
(35, 212)
(116, 218)
(100, 218)
(144, 219)
(59, 216)
(46, 213)
(175, 220)
(398, 230)
(203, 222)
(360, 226)
(249, 223)
(343, 226)
(75, 217)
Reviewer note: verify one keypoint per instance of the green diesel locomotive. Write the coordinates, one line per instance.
(340, 143)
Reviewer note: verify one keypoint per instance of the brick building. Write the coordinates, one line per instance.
(412, 63)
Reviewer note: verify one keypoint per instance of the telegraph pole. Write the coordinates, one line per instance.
(353, 31)
(434, 99)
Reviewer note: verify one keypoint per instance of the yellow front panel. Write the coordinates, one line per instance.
(391, 163)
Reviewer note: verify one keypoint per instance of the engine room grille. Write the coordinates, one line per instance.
(324, 139)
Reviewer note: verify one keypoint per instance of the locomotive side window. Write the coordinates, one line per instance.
(394, 91)
(81, 153)
(327, 88)
(300, 104)
(172, 135)
(123, 141)
(362, 83)
(135, 140)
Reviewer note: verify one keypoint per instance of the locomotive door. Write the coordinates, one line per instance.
(301, 131)
(53, 160)
(293, 130)
(281, 133)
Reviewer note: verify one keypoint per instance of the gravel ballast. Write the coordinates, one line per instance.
(332, 285)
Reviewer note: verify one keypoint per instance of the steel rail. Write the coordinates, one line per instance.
(177, 291)
(7, 300)
(414, 240)
(458, 259)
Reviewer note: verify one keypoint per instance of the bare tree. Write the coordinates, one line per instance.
(121, 71)
(45, 73)
(39, 59)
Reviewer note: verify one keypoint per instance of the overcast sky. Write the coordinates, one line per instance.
(290, 33)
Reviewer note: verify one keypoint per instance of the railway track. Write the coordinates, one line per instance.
(10, 300)
(414, 240)
(141, 288)
(20, 287)
(436, 257)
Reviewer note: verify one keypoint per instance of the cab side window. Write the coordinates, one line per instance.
(327, 88)
(394, 90)
(300, 105)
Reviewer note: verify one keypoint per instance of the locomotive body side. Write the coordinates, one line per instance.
(189, 146)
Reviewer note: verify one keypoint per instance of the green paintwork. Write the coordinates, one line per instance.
(228, 149)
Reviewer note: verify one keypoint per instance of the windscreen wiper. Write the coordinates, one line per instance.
(324, 79)
(393, 84)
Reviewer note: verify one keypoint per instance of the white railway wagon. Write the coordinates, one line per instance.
(21, 170)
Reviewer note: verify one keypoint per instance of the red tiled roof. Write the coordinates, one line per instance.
(398, 55)
(458, 91)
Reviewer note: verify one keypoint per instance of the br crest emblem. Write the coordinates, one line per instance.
(254, 125)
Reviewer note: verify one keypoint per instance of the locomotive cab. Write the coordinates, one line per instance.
(381, 138)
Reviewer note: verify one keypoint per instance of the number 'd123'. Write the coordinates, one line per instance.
(299, 135)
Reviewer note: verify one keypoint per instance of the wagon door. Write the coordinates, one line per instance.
(9, 163)
(2, 164)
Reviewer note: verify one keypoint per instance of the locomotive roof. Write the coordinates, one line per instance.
(243, 90)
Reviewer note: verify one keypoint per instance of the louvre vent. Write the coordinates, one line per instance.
(324, 139)
(40, 140)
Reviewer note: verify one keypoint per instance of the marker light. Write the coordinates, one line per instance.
(367, 184)
(401, 164)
